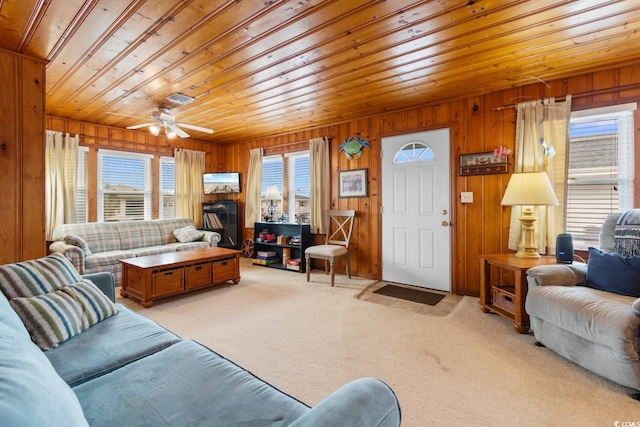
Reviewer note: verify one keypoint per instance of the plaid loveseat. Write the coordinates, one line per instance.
(99, 246)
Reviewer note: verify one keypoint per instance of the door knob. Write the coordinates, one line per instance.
(444, 212)
(445, 223)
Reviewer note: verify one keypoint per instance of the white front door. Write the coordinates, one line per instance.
(416, 239)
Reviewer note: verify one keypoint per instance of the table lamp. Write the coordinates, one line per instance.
(271, 195)
(529, 189)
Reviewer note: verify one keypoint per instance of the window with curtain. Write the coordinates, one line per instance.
(81, 187)
(290, 173)
(599, 170)
(124, 186)
(167, 188)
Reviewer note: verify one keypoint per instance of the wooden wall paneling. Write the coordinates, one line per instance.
(22, 218)
(33, 142)
(605, 79)
(10, 166)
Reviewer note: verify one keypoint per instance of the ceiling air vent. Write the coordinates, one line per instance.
(181, 99)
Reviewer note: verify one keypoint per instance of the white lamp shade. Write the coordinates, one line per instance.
(272, 193)
(529, 189)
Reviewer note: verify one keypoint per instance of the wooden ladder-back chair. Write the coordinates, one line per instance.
(336, 243)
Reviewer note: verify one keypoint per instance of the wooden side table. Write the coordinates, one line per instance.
(508, 301)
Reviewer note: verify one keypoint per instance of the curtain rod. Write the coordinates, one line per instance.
(293, 143)
(580, 95)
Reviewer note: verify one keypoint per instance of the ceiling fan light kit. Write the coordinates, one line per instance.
(162, 118)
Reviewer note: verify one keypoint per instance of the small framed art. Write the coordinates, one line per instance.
(483, 164)
(352, 183)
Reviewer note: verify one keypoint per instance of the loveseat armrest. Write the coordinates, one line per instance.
(104, 281)
(557, 275)
(211, 237)
(73, 253)
(363, 402)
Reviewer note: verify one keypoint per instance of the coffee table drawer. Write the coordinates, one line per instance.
(224, 270)
(197, 275)
(167, 282)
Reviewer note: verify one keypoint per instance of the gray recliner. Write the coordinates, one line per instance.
(596, 329)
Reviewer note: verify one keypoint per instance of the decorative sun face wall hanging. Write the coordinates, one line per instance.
(352, 147)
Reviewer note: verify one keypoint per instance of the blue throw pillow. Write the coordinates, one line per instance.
(612, 272)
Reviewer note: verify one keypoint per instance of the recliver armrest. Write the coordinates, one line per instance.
(364, 402)
(557, 275)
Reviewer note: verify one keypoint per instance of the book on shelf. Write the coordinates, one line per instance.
(265, 253)
(265, 261)
(211, 220)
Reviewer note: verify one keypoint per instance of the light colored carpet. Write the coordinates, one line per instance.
(462, 368)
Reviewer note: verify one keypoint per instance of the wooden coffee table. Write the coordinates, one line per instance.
(148, 278)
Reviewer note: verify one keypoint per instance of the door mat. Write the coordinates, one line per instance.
(415, 295)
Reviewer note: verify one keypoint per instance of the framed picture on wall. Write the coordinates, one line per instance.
(352, 183)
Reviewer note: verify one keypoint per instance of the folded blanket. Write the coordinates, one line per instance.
(626, 239)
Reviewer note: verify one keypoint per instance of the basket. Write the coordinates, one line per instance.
(504, 297)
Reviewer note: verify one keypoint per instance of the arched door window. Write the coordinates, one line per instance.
(414, 152)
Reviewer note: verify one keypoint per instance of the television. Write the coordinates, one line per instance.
(221, 182)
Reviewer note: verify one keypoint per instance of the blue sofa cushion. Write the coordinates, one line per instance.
(10, 318)
(612, 272)
(185, 384)
(31, 392)
(55, 317)
(110, 344)
(37, 276)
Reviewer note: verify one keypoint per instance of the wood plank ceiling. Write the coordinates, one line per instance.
(266, 67)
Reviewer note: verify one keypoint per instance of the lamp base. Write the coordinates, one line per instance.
(271, 211)
(528, 247)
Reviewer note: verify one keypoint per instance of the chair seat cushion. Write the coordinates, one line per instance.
(326, 250)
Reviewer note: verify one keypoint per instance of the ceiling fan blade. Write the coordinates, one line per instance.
(194, 127)
(177, 130)
(141, 126)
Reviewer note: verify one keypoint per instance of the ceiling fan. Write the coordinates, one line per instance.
(162, 118)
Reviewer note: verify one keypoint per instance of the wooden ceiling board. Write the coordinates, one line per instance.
(259, 68)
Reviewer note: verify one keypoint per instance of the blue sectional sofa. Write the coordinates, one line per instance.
(126, 370)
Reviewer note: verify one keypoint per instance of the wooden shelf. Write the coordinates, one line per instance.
(280, 229)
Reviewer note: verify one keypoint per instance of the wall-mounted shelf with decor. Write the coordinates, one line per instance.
(483, 164)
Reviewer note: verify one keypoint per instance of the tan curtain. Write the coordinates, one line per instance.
(61, 170)
(189, 193)
(320, 184)
(254, 188)
(541, 145)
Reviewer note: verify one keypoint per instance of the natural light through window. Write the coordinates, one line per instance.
(414, 152)
(290, 173)
(599, 171)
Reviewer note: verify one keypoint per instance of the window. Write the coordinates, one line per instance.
(414, 152)
(124, 186)
(599, 171)
(81, 185)
(290, 173)
(167, 188)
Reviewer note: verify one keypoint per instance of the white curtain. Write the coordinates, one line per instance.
(254, 188)
(320, 184)
(541, 145)
(61, 170)
(189, 192)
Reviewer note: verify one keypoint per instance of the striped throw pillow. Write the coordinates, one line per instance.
(55, 317)
(37, 276)
(188, 234)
